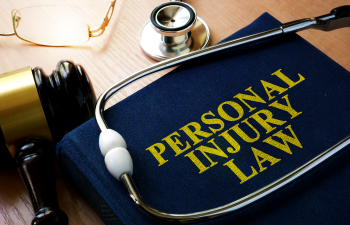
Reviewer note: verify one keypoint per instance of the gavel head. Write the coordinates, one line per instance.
(33, 104)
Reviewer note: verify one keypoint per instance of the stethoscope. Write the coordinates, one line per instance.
(173, 29)
(118, 159)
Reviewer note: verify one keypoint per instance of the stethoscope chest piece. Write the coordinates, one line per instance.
(174, 29)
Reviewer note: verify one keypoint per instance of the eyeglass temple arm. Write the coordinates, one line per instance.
(103, 23)
(7, 34)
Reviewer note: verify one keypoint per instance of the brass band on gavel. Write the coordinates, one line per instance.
(21, 113)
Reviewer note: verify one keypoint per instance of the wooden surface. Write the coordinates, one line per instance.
(116, 54)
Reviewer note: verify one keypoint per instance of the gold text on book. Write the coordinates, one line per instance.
(232, 111)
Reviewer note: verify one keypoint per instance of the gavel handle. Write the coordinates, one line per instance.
(37, 168)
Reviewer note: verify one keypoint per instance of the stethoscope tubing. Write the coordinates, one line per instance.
(283, 29)
(106, 95)
(238, 204)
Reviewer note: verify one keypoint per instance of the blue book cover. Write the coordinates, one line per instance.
(219, 128)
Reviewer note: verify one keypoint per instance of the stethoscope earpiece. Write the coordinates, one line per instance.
(174, 29)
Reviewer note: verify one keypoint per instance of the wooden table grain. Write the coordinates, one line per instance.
(116, 54)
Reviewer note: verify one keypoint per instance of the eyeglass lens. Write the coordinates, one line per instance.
(51, 25)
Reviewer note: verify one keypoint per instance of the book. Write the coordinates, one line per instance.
(219, 128)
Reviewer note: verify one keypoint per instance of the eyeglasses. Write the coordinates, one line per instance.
(55, 25)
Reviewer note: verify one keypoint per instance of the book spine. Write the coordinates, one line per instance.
(85, 187)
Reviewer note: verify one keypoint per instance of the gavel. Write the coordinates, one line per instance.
(36, 111)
